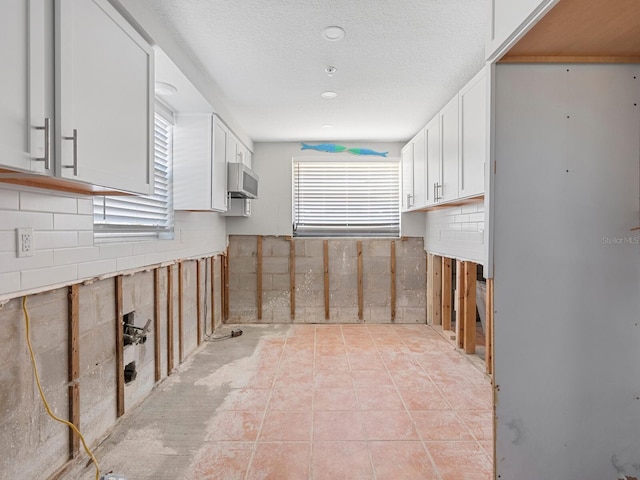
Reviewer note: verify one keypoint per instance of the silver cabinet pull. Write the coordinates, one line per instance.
(436, 187)
(46, 157)
(409, 202)
(73, 138)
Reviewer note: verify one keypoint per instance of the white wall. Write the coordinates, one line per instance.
(271, 212)
(456, 232)
(567, 271)
(65, 251)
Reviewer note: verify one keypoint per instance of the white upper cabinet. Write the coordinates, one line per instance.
(104, 98)
(508, 18)
(407, 177)
(79, 106)
(432, 178)
(473, 136)
(23, 31)
(419, 168)
(199, 163)
(449, 131)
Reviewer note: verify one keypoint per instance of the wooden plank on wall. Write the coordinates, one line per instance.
(360, 283)
(119, 349)
(470, 273)
(326, 279)
(489, 327)
(436, 278)
(156, 326)
(198, 300)
(213, 294)
(225, 286)
(460, 315)
(74, 367)
(259, 277)
(393, 280)
(292, 277)
(180, 312)
(446, 293)
(429, 289)
(170, 354)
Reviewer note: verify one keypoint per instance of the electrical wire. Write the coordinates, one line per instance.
(42, 396)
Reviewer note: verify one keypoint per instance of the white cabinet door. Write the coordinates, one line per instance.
(432, 177)
(23, 30)
(192, 162)
(407, 176)
(104, 98)
(219, 197)
(473, 136)
(419, 168)
(449, 129)
(508, 18)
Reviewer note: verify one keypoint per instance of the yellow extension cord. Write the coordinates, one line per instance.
(44, 400)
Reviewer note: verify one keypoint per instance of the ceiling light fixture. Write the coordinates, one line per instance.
(163, 88)
(328, 94)
(333, 33)
(327, 125)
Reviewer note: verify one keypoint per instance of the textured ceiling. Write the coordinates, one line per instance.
(399, 63)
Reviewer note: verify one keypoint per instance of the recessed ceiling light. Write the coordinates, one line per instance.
(333, 33)
(327, 125)
(330, 70)
(163, 88)
(328, 94)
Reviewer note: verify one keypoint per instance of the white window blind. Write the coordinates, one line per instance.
(346, 198)
(142, 216)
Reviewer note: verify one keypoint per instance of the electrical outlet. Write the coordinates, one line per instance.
(24, 242)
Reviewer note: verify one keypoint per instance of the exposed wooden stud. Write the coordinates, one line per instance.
(259, 277)
(198, 299)
(360, 282)
(213, 294)
(436, 280)
(74, 367)
(446, 293)
(180, 312)
(460, 315)
(170, 355)
(429, 289)
(292, 277)
(225, 287)
(326, 280)
(119, 349)
(470, 272)
(156, 326)
(489, 327)
(393, 280)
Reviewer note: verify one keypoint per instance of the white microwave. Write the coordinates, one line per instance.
(242, 182)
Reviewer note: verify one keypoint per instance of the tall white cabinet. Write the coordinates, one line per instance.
(473, 107)
(80, 109)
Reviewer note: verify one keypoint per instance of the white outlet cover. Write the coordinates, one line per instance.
(24, 242)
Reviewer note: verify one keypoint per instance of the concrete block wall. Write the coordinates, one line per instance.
(343, 280)
(34, 446)
(457, 232)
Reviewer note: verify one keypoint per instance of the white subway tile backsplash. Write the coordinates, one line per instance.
(93, 269)
(62, 221)
(469, 227)
(53, 239)
(16, 219)
(67, 256)
(85, 206)
(476, 217)
(115, 250)
(48, 276)
(10, 263)
(85, 238)
(44, 202)
(461, 218)
(128, 263)
(7, 241)
(144, 248)
(9, 199)
(471, 208)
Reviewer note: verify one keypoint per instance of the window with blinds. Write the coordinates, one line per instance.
(346, 198)
(142, 216)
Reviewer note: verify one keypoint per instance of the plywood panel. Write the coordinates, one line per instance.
(446, 293)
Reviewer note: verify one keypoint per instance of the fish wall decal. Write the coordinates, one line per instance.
(333, 148)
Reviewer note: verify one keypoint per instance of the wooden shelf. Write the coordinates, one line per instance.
(54, 183)
(453, 203)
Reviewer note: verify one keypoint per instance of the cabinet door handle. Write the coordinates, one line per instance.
(409, 203)
(73, 138)
(47, 131)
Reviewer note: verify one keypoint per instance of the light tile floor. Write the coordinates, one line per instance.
(313, 402)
